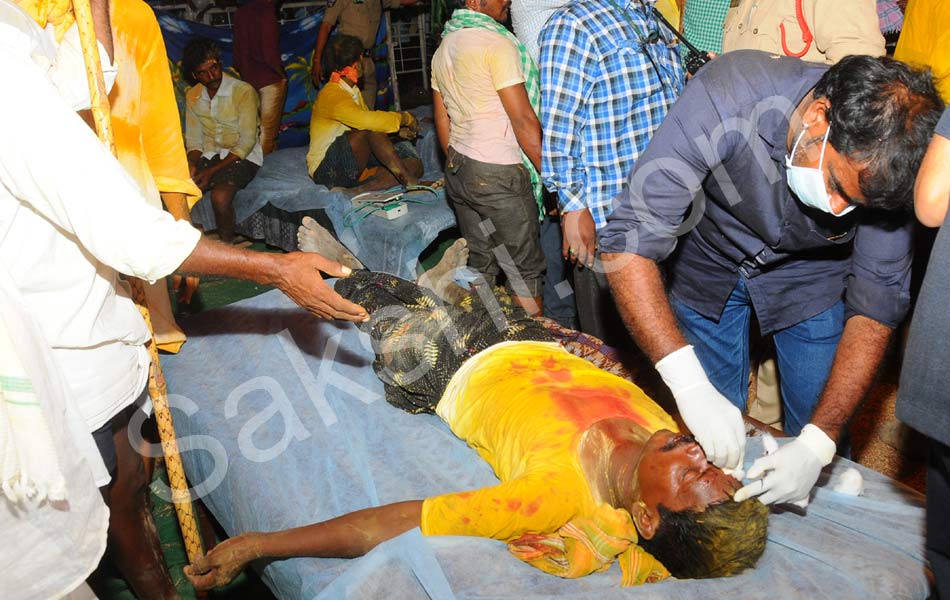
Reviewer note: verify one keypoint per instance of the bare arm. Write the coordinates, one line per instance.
(322, 36)
(525, 123)
(297, 274)
(348, 536)
(642, 302)
(857, 360)
(443, 123)
(177, 204)
(932, 190)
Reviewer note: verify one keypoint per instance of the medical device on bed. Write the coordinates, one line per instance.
(389, 204)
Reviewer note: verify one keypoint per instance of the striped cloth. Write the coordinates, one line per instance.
(589, 545)
(702, 23)
(463, 18)
(890, 16)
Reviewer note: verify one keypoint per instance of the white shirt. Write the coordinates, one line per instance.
(229, 122)
(70, 217)
(63, 63)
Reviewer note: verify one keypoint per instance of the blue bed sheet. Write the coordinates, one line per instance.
(382, 245)
(284, 423)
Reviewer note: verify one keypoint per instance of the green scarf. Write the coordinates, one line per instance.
(463, 18)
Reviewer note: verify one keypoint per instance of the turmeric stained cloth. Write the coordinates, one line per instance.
(145, 121)
(339, 107)
(524, 406)
(148, 136)
(144, 111)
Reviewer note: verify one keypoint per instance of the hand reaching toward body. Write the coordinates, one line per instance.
(714, 421)
(301, 279)
(297, 274)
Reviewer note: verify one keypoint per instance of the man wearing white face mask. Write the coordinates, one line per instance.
(808, 183)
(753, 179)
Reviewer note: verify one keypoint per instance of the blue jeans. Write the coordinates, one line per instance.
(805, 352)
(557, 307)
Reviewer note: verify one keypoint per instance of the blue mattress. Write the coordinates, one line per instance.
(382, 245)
(284, 423)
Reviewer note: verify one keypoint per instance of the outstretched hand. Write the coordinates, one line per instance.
(223, 563)
(303, 283)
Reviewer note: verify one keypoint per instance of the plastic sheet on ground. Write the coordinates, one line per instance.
(293, 428)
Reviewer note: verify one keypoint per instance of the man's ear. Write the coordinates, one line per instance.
(816, 113)
(646, 519)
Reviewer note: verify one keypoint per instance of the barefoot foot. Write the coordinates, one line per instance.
(312, 237)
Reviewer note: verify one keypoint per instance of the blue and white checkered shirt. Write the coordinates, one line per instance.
(609, 73)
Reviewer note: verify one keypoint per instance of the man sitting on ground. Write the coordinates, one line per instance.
(221, 131)
(591, 469)
(346, 136)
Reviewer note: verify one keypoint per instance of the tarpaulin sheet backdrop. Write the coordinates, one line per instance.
(297, 39)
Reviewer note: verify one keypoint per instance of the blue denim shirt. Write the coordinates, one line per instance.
(713, 181)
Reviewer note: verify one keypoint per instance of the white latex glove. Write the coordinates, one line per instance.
(789, 474)
(715, 422)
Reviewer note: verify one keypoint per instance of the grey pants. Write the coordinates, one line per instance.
(498, 216)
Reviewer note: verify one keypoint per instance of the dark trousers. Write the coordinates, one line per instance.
(938, 517)
(498, 216)
(558, 295)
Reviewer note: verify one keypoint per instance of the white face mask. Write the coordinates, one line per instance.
(808, 183)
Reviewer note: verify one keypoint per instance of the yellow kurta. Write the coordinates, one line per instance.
(524, 406)
(338, 109)
(925, 40)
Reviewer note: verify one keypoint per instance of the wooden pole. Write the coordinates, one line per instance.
(156, 379)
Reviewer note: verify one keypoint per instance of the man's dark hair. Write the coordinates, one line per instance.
(883, 114)
(721, 541)
(341, 51)
(198, 50)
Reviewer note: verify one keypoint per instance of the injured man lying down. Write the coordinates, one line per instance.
(591, 469)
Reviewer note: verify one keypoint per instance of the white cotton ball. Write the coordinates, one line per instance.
(851, 483)
(769, 445)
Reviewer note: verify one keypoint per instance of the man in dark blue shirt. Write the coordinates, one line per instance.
(752, 180)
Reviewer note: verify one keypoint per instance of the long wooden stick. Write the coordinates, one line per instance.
(156, 379)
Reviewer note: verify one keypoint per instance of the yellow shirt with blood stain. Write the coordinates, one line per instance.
(524, 406)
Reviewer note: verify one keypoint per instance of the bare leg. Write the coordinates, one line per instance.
(439, 278)
(133, 539)
(398, 171)
(385, 153)
(312, 237)
(222, 201)
(532, 306)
